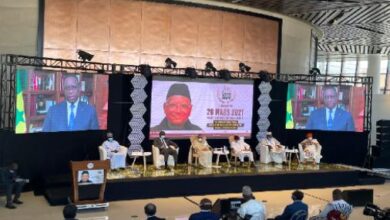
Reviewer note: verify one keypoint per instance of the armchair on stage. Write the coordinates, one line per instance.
(271, 151)
(117, 160)
(310, 152)
(193, 153)
(233, 153)
(158, 159)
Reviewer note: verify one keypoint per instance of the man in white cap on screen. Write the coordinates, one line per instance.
(251, 209)
(275, 152)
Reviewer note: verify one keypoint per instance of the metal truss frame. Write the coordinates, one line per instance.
(10, 62)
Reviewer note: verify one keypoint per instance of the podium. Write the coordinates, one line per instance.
(89, 183)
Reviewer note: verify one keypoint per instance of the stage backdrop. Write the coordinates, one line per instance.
(137, 32)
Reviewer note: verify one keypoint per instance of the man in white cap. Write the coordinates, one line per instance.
(271, 150)
(251, 209)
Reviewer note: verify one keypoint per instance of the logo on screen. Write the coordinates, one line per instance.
(225, 95)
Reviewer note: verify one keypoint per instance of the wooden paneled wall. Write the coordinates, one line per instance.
(136, 32)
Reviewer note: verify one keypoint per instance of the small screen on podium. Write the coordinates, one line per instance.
(88, 177)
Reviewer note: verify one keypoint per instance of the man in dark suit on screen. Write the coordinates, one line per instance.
(330, 117)
(72, 114)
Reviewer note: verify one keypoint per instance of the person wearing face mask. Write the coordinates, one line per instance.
(117, 159)
(202, 149)
(166, 147)
(271, 150)
(242, 149)
(310, 149)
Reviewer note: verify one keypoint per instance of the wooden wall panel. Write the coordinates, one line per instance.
(210, 34)
(139, 32)
(125, 26)
(156, 24)
(233, 37)
(60, 24)
(93, 25)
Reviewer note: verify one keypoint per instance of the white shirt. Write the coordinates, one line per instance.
(340, 205)
(111, 145)
(239, 146)
(68, 109)
(328, 113)
(254, 208)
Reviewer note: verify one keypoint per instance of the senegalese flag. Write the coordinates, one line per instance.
(289, 108)
(20, 118)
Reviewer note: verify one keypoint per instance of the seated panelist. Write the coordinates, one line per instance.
(166, 147)
(310, 149)
(112, 147)
(241, 149)
(203, 149)
(277, 152)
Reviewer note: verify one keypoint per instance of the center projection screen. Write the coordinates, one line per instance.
(214, 108)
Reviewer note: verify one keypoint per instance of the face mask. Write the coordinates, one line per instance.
(269, 137)
(310, 138)
(110, 139)
(200, 139)
(162, 136)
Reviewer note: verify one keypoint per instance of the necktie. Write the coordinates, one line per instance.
(71, 117)
(165, 144)
(330, 119)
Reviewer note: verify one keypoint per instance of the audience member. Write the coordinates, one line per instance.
(13, 185)
(150, 212)
(338, 205)
(251, 209)
(205, 211)
(69, 212)
(296, 210)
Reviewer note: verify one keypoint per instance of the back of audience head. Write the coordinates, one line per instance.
(247, 193)
(337, 194)
(205, 204)
(69, 211)
(297, 195)
(150, 209)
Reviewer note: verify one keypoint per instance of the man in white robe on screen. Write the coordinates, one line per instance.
(276, 151)
(112, 147)
(242, 149)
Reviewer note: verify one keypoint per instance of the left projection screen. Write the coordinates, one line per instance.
(214, 108)
(52, 101)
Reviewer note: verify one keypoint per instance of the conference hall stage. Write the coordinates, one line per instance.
(137, 183)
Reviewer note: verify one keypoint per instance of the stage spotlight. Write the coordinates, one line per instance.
(314, 71)
(169, 63)
(84, 56)
(264, 76)
(145, 70)
(191, 72)
(224, 74)
(210, 67)
(244, 68)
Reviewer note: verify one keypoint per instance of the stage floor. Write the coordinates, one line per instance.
(184, 170)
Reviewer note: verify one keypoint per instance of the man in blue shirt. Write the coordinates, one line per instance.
(205, 211)
(296, 210)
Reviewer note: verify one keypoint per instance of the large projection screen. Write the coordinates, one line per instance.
(215, 108)
(325, 107)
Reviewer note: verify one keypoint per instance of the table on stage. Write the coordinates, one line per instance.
(221, 151)
(290, 153)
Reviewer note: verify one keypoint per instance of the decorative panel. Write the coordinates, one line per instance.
(184, 31)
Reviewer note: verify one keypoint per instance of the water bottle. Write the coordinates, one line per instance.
(224, 149)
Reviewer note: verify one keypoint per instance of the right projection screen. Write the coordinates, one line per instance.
(325, 107)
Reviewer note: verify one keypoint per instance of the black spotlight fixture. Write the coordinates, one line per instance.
(191, 72)
(169, 63)
(244, 68)
(224, 74)
(145, 70)
(314, 71)
(265, 76)
(84, 56)
(210, 67)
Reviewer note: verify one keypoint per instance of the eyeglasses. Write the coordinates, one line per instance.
(70, 87)
(330, 96)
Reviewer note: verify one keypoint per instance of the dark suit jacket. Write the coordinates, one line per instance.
(294, 208)
(164, 125)
(158, 143)
(7, 177)
(57, 118)
(154, 218)
(342, 121)
(203, 215)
